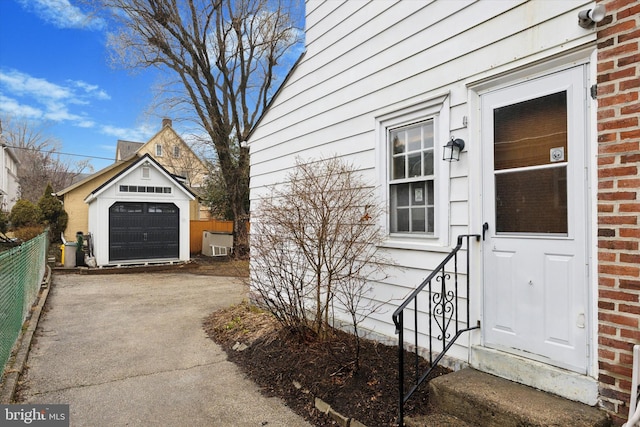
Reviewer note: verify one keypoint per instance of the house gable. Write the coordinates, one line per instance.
(144, 172)
(175, 155)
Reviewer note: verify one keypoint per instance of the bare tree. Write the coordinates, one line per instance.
(224, 54)
(41, 162)
(315, 239)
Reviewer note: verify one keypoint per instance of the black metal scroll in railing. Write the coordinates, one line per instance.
(441, 290)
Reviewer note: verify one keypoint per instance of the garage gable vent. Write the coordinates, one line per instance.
(145, 172)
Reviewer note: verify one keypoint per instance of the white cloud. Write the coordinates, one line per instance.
(62, 14)
(12, 107)
(140, 134)
(92, 90)
(23, 84)
(34, 97)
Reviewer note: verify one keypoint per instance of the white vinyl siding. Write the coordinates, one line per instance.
(371, 67)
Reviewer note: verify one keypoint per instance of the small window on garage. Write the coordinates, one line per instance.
(146, 173)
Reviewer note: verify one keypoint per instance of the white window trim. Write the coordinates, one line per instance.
(438, 109)
(159, 150)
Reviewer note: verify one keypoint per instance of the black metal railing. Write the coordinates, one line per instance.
(443, 311)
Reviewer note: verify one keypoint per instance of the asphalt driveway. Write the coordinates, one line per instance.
(129, 350)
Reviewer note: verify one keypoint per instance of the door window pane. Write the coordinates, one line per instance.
(527, 132)
(533, 201)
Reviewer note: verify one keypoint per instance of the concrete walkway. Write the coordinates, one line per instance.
(129, 350)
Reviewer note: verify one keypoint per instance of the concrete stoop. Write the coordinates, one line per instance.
(475, 398)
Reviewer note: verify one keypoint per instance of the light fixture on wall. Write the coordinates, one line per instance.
(588, 17)
(452, 150)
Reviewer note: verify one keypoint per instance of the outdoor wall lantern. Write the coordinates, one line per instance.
(588, 17)
(452, 150)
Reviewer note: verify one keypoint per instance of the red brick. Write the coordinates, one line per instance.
(631, 321)
(614, 30)
(630, 134)
(606, 379)
(607, 330)
(629, 36)
(615, 75)
(606, 354)
(606, 282)
(616, 195)
(606, 160)
(630, 258)
(607, 137)
(631, 59)
(618, 296)
(633, 334)
(618, 171)
(606, 113)
(632, 11)
(606, 232)
(629, 207)
(607, 256)
(629, 84)
(630, 232)
(631, 309)
(605, 209)
(613, 343)
(604, 305)
(617, 244)
(630, 109)
(622, 123)
(615, 369)
(620, 220)
(630, 284)
(631, 158)
(620, 147)
(606, 43)
(630, 183)
(605, 66)
(615, 100)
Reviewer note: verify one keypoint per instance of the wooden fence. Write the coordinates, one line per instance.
(199, 226)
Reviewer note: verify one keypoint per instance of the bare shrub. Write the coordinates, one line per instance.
(315, 247)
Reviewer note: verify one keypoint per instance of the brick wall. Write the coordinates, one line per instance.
(618, 201)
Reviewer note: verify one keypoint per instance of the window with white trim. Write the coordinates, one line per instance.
(414, 183)
(411, 178)
(158, 150)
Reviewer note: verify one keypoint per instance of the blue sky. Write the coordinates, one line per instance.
(54, 69)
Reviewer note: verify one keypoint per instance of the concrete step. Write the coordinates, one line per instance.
(435, 420)
(481, 399)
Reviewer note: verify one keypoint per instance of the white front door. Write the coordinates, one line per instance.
(534, 215)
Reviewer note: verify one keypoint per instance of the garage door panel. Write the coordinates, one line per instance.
(142, 231)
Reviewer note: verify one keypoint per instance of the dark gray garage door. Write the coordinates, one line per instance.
(141, 231)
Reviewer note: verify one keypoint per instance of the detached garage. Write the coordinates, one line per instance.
(140, 215)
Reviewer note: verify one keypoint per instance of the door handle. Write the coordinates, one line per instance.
(485, 227)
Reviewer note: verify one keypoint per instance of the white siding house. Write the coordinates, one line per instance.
(386, 84)
(9, 185)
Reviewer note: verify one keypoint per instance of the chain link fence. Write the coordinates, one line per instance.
(21, 271)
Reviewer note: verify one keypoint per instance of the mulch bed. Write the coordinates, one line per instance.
(299, 369)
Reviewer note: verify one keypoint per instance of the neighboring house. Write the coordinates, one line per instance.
(548, 111)
(9, 185)
(170, 150)
(84, 200)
